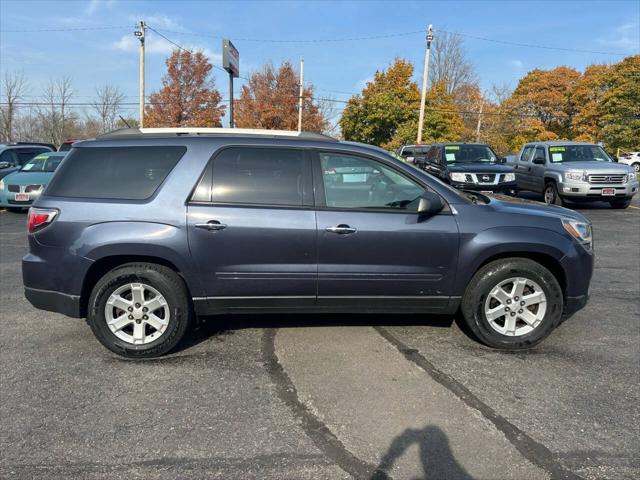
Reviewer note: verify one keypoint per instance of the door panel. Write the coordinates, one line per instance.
(260, 258)
(252, 229)
(537, 171)
(395, 259)
(523, 168)
(374, 250)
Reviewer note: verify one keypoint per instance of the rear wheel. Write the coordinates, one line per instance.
(620, 203)
(140, 310)
(551, 195)
(512, 303)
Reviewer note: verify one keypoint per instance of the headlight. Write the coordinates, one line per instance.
(574, 175)
(458, 177)
(581, 231)
(630, 177)
(2, 184)
(510, 177)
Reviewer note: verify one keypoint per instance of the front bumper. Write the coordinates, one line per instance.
(7, 200)
(503, 187)
(594, 191)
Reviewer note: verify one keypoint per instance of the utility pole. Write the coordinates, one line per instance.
(479, 122)
(140, 35)
(301, 92)
(425, 77)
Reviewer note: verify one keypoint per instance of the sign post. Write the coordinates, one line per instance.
(231, 63)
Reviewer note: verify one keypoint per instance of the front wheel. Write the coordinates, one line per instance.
(620, 203)
(512, 303)
(140, 310)
(551, 195)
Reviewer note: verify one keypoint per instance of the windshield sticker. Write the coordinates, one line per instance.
(452, 147)
(556, 157)
(451, 157)
(41, 157)
(557, 149)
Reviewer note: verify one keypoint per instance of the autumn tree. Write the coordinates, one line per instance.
(543, 99)
(188, 97)
(388, 102)
(588, 94)
(270, 101)
(620, 106)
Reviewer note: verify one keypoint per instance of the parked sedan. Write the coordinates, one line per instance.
(631, 158)
(19, 189)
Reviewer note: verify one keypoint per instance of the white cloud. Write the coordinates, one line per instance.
(155, 44)
(517, 63)
(625, 37)
(94, 5)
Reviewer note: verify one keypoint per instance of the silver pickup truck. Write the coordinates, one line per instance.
(574, 171)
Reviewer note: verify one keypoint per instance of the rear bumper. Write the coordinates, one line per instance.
(51, 301)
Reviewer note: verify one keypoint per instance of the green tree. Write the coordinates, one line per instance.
(386, 103)
(442, 122)
(620, 106)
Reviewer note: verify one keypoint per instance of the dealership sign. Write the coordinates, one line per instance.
(230, 58)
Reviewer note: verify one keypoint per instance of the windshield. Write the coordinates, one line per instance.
(578, 153)
(469, 154)
(42, 163)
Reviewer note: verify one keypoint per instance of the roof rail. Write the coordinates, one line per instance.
(178, 131)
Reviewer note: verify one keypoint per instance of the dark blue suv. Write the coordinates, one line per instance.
(140, 231)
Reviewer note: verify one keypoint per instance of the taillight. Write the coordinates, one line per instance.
(40, 218)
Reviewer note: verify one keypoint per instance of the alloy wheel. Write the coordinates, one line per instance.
(137, 313)
(516, 306)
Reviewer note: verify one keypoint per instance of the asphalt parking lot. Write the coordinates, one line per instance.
(328, 397)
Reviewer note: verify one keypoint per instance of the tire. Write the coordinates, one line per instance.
(620, 203)
(156, 279)
(551, 195)
(478, 296)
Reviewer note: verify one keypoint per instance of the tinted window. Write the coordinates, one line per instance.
(26, 154)
(9, 156)
(262, 176)
(354, 182)
(407, 152)
(539, 153)
(125, 173)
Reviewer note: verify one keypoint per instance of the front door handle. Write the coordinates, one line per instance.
(341, 229)
(212, 225)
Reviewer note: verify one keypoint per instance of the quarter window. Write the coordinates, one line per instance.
(526, 154)
(258, 176)
(355, 182)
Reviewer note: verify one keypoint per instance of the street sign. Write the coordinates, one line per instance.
(230, 58)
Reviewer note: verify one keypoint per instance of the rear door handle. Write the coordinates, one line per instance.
(341, 229)
(212, 225)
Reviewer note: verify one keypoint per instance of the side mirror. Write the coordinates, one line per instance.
(539, 161)
(502, 159)
(430, 204)
(4, 164)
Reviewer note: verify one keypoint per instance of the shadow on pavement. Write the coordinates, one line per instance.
(220, 325)
(435, 453)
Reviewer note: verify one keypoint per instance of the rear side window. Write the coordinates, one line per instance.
(257, 176)
(121, 173)
(26, 154)
(526, 154)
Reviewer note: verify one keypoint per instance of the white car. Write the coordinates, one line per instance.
(631, 158)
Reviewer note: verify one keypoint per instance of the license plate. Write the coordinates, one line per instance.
(608, 192)
(22, 197)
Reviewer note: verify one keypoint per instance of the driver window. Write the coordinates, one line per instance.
(360, 183)
(10, 157)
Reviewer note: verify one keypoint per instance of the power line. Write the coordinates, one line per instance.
(69, 29)
(531, 45)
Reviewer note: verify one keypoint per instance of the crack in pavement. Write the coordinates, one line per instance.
(530, 449)
(315, 429)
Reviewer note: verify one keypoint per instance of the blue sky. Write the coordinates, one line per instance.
(95, 57)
